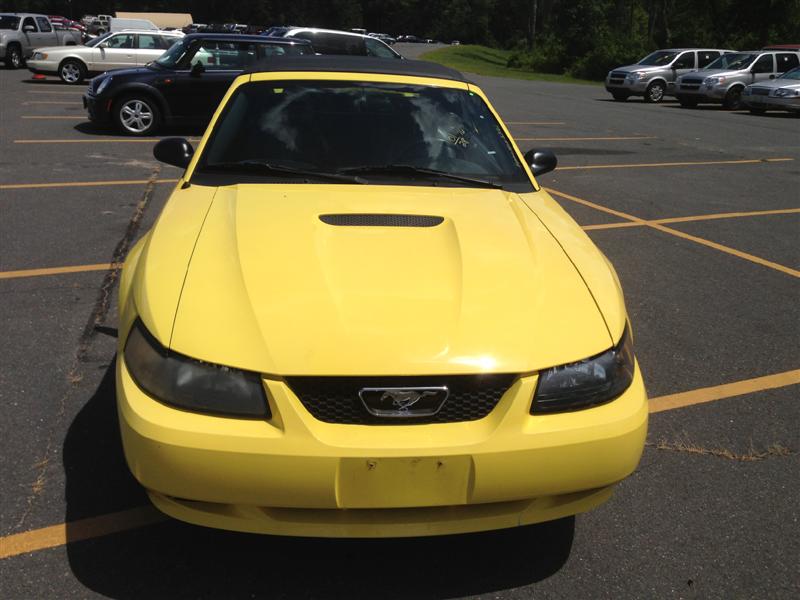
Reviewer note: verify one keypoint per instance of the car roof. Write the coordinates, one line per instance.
(357, 64)
(293, 30)
(242, 37)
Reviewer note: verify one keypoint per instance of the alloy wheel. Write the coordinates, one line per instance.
(136, 116)
(71, 73)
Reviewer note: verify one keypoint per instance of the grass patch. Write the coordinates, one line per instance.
(482, 60)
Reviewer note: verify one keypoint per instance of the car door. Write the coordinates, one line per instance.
(685, 63)
(118, 51)
(706, 57)
(208, 73)
(786, 61)
(763, 68)
(47, 36)
(30, 36)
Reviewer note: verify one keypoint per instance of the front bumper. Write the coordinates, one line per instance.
(772, 103)
(294, 475)
(98, 109)
(700, 93)
(42, 67)
(634, 88)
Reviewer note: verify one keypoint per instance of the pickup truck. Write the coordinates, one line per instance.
(20, 33)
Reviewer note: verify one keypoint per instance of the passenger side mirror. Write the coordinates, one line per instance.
(772, 76)
(541, 161)
(197, 69)
(174, 151)
(28, 28)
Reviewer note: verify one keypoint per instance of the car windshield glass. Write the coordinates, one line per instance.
(386, 132)
(793, 74)
(9, 22)
(658, 58)
(734, 62)
(93, 42)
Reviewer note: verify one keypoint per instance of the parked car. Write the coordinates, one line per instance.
(20, 33)
(97, 25)
(359, 315)
(384, 37)
(781, 93)
(330, 41)
(724, 80)
(66, 23)
(125, 24)
(652, 75)
(409, 39)
(111, 51)
(184, 85)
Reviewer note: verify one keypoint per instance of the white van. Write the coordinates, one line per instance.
(121, 24)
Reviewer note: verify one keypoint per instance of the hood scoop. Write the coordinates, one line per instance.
(380, 220)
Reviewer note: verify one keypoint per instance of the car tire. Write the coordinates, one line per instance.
(733, 99)
(14, 58)
(620, 96)
(757, 111)
(136, 115)
(688, 102)
(72, 71)
(655, 92)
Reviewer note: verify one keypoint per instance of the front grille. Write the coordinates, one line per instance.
(617, 77)
(759, 91)
(336, 400)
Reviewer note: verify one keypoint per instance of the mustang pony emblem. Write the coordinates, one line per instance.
(403, 402)
(402, 399)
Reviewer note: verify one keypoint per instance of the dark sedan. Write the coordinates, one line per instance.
(184, 85)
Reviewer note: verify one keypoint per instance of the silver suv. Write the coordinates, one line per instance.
(651, 76)
(723, 81)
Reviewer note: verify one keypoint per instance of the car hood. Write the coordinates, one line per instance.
(631, 68)
(272, 288)
(777, 83)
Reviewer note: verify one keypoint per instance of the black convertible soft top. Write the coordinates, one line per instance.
(356, 64)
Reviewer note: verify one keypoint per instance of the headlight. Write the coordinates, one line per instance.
(586, 383)
(192, 384)
(39, 56)
(787, 92)
(713, 80)
(103, 85)
(636, 75)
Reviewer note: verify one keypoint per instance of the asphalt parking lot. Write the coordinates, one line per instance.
(699, 210)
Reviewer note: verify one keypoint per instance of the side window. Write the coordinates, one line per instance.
(331, 43)
(705, 57)
(763, 65)
(272, 50)
(123, 40)
(165, 41)
(225, 56)
(29, 22)
(787, 61)
(378, 48)
(148, 41)
(44, 24)
(684, 61)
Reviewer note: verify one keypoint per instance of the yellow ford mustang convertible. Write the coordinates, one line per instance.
(359, 315)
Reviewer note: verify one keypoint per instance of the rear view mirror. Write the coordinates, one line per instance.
(174, 151)
(541, 161)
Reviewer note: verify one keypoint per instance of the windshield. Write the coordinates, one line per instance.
(342, 126)
(734, 61)
(93, 42)
(9, 22)
(792, 74)
(658, 58)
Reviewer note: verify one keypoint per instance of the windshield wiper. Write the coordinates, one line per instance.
(412, 170)
(273, 169)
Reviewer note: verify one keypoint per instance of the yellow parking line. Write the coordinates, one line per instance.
(76, 531)
(727, 390)
(535, 123)
(76, 92)
(62, 184)
(57, 270)
(49, 117)
(693, 218)
(584, 139)
(27, 102)
(680, 234)
(94, 527)
(698, 163)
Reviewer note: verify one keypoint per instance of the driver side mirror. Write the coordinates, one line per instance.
(197, 69)
(28, 28)
(175, 151)
(541, 161)
(772, 76)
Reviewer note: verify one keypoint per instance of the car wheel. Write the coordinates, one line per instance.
(688, 102)
(72, 71)
(13, 57)
(137, 115)
(620, 96)
(655, 92)
(757, 111)
(733, 99)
